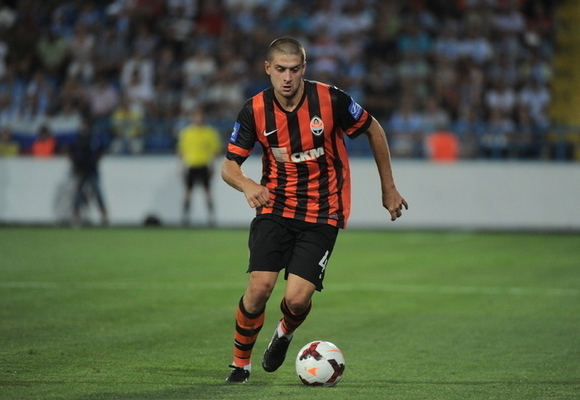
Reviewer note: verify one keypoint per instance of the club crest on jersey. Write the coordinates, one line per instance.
(316, 125)
(355, 109)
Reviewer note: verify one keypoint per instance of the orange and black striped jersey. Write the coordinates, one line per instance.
(305, 162)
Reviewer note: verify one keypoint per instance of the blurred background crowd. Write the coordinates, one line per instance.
(476, 73)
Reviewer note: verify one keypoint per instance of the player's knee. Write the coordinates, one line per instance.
(256, 297)
(297, 304)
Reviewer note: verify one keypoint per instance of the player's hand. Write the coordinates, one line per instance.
(257, 195)
(394, 203)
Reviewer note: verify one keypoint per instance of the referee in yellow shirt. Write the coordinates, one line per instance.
(198, 145)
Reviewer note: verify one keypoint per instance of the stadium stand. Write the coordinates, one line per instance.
(490, 68)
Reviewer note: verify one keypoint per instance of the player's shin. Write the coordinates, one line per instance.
(248, 327)
(290, 321)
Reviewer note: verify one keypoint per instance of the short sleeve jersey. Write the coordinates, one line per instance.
(198, 145)
(305, 163)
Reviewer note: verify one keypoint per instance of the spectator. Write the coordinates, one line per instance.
(199, 67)
(447, 44)
(144, 67)
(384, 34)
(191, 98)
(476, 46)
(13, 86)
(414, 39)
(406, 127)
(188, 7)
(325, 18)
(355, 18)
(470, 84)
(168, 68)
(42, 89)
(82, 48)
(533, 100)
(66, 124)
(45, 144)
(534, 66)
(380, 86)
(28, 121)
(469, 127)
(495, 143)
(145, 41)
(7, 16)
(442, 146)
(178, 25)
(504, 67)
(128, 129)
(294, 19)
(7, 111)
(415, 74)
(211, 19)
(62, 21)
(73, 90)
(227, 92)
(8, 146)
(509, 18)
(139, 93)
(102, 98)
(166, 102)
(433, 117)
(53, 54)
(445, 84)
(90, 16)
(110, 53)
(501, 97)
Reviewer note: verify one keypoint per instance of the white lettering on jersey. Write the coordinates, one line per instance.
(307, 155)
(280, 154)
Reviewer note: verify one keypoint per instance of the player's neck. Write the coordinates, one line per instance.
(290, 103)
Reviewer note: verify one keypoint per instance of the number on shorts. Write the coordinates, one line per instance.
(323, 261)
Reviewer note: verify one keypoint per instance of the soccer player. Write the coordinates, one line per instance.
(303, 197)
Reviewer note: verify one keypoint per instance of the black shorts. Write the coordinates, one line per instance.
(301, 248)
(197, 175)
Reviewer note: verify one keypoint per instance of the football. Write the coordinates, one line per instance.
(320, 363)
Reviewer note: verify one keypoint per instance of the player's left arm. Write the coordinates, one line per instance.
(392, 200)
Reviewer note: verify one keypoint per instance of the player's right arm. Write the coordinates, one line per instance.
(240, 146)
(256, 194)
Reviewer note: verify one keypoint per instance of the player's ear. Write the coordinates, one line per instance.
(267, 67)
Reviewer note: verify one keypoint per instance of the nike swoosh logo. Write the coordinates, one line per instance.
(269, 133)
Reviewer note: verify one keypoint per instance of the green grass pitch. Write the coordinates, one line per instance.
(135, 314)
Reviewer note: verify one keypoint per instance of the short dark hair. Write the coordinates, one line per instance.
(286, 45)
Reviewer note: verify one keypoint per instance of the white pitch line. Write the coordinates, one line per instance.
(119, 285)
(363, 287)
(456, 289)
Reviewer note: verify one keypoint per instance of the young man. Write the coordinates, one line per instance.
(85, 155)
(199, 143)
(303, 197)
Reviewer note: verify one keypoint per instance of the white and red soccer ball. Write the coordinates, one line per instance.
(320, 363)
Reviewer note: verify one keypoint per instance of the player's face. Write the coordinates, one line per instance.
(286, 72)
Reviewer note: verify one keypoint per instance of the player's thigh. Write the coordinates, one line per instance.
(189, 178)
(205, 178)
(270, 244)
(298, 293)
(311, 251)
